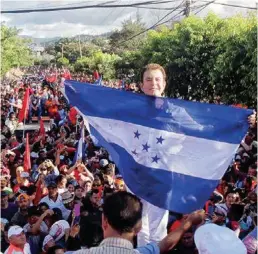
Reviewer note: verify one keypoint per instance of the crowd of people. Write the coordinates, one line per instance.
(63, 204)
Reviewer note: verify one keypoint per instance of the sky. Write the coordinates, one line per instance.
(97, 21)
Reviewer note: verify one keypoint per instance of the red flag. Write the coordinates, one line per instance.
(96, 75)
(23, 113)
(67, 75)
(42, 131)
(26, 163)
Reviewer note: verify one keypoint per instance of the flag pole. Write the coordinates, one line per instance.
(23, 135)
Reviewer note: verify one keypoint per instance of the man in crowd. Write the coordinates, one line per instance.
(18, 242)
(54, 199)
(87, 232)
(121, 222)
(21, 217)
(8, 210)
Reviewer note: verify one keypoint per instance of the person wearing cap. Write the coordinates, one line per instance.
(48, 243)
(214, 239)
(54, 199)
(36, 228)
(21, 217)
(68, 201)
(4, 184)
(8, 210)
(103, 163)
(219, 216)
(18, 242)
(60, 232)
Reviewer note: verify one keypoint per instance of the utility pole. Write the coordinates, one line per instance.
(80, 46)
(62, 50)
(188, 7)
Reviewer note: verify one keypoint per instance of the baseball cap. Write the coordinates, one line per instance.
(57, 230)
(24, 196)
(46, 240)
(213, 239)
(14, 230)
(103, 163)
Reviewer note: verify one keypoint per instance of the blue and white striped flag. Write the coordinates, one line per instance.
(170, 152)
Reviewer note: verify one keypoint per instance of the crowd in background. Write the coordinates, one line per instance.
(43, 201)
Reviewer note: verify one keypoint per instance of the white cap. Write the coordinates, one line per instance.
(214, 239)
(103, 163)
(25, 174)
(14, 230)
(57, 230)
(46, 240)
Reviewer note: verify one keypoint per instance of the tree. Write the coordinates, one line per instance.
(130, 28)
(206, 58)
(15, 51)
(62, 61)
(103, 62)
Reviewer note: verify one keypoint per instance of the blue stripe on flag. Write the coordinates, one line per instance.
(220, 123)
(169, 190)
(159, 183)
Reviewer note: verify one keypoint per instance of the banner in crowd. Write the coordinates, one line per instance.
(171, 152)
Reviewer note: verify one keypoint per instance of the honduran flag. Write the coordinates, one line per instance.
(170, 152)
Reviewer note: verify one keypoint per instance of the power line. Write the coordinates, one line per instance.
(46, 6)
(83, 7)
(231, 5)
(202, 7)
(156, 24)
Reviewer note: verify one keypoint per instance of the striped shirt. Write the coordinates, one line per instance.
(120, 246)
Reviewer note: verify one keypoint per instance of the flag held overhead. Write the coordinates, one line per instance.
(172, 153)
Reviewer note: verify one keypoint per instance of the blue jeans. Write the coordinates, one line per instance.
(36, 112)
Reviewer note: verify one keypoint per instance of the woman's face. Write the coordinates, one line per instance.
(70, 188)
(153, 83)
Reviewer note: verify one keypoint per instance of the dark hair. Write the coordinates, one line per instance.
(68, 183)
(94, 191)
(127, 212)
(52, 250)
(43, 204)
(77, 187)
(60, 178)
(33, 211)
(57, 215)
(91, 234)
(108, 190)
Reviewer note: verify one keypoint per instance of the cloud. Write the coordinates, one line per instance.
(93, 21)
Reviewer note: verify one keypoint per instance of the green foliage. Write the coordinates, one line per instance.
(103, 62)
(15, 51)
(129, 29)
(206, 58)
(62, 61)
